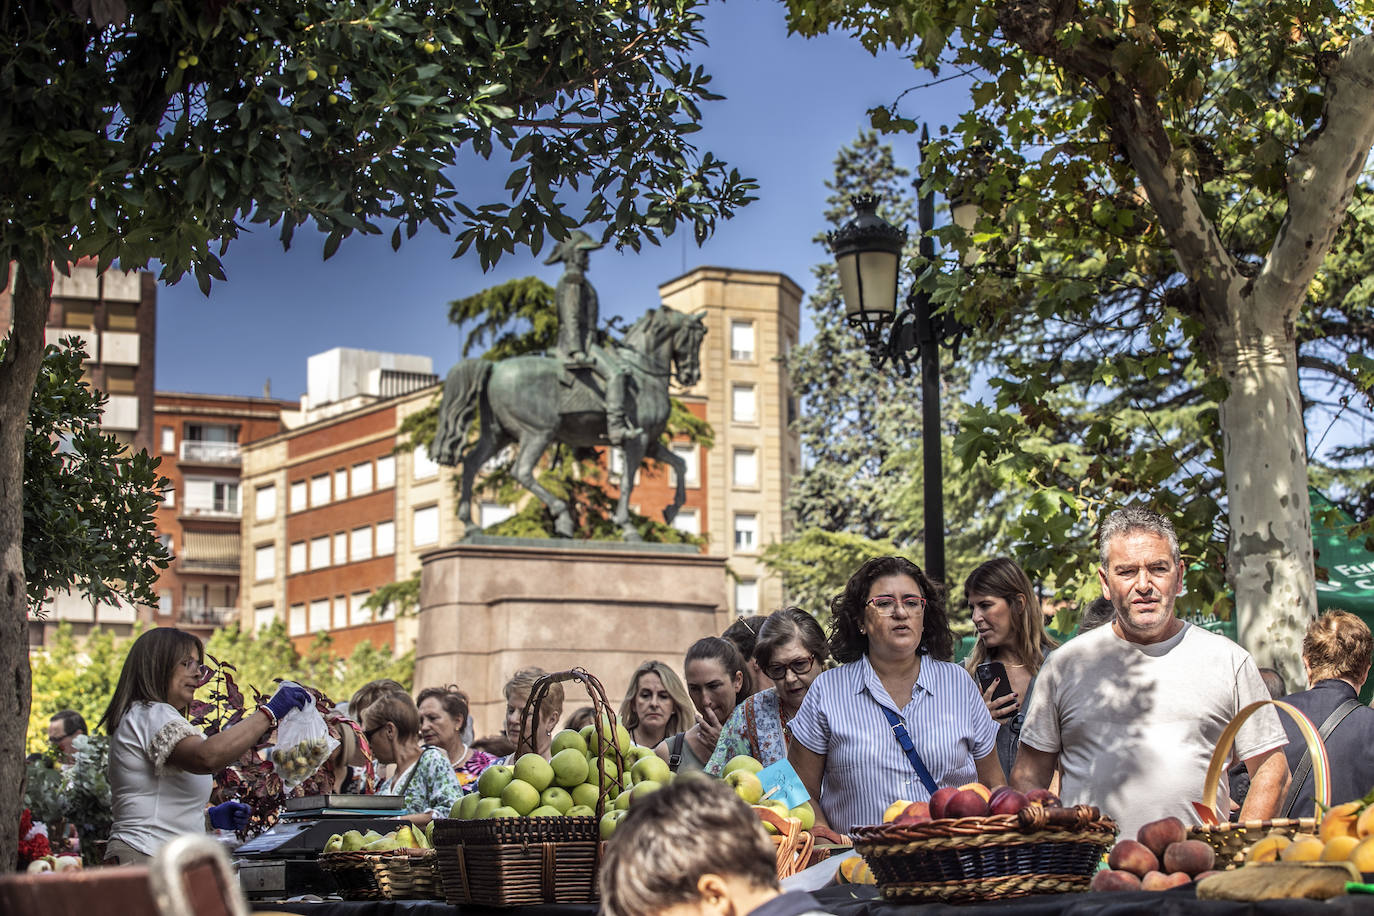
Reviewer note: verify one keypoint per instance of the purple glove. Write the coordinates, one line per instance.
(230, 815)
(289, 696)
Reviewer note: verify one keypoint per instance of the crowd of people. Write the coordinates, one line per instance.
(1124, 716)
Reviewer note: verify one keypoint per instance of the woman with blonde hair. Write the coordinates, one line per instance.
(656, 705)
(1011, 630)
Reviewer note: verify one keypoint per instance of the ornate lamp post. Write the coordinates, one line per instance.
(868, 253)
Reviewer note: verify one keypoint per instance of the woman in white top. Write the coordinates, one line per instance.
(160, 765)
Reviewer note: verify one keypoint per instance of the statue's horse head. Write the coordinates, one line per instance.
(670, 337)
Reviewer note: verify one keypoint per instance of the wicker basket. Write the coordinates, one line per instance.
(792, 843)
(408, 875)
(1233, 841)
(353, 873)
(964, 860)
(527, 861)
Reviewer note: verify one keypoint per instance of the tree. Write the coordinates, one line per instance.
(138, 130)
(68, 677)
(1101, 118)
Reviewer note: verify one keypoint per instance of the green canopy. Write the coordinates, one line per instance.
(1349, 566)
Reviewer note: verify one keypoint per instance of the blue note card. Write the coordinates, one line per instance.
(780, 781)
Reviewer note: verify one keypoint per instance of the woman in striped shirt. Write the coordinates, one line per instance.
(890, 629)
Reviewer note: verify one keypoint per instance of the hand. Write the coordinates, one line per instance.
(230, 815)
(289, 696)
(1004, 708)
(709, 726)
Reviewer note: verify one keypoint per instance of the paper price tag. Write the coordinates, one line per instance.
(781, 782)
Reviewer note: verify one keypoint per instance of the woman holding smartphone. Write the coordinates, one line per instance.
(1012, 644)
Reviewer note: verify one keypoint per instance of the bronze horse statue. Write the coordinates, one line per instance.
(532, 401)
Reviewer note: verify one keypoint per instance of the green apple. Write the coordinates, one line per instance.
(466, 807)
(546, 811)
(486, 806)
(651, 768)
(535, 770)
(494, 779)
(586, 795)
(570, 767)
(505, 811)
(741, 762)
(746, 785)
(521, 796)
(608, 823)
(644, 788)
(609, 732)
(566, 739)
(556, 797)
(777, 807)
(638, 752)
(586, 733)
(622, 802)
(606, 773)
(804, 813)
(581, 811)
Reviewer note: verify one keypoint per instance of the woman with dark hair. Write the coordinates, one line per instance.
(160, 765)
(443, 716)
(1011, 630)
(744, 633)
(791, 650)
(717, 679)
(896, 689)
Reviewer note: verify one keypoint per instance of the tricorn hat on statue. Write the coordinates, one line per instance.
(577, 240)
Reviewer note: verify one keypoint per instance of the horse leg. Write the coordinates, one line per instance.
(634, 455)
(487, 445)
(532, 445)
(661, 452)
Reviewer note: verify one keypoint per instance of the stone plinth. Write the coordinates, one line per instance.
(489, 606)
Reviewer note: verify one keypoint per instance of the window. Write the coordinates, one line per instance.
(211, 432)
(169, 439)
(263, 617)
(164, 604)
(386, 472)
(691, 456)
(424, 467)
(356, 612)
(319, 615)
(295, 621)
(169, 497)
(386, 538)
(745, 467)
(362, 478)
(746, 531)
(296, 559)
(319, 552)
(341, 548)
(265, 502)
(425, 529)
(362, 544)
(340, 611)
(742, 408)
(746, 597)
(688, 520)
(742, 340)
(298, 496)
(341, 484)
(206, 496)
(489, 514)
(265, 562)
(319, 490)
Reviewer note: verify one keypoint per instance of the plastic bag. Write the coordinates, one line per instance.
(303, 745)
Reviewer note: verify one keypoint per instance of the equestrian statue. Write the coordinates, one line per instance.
(594, 391)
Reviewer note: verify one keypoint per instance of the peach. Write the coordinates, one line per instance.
(967, 803)
(1364, 825)
(1339, 848)
(940, 800)
(1044, 798)
(895, 809)
(1114, 880)
(1268, 848)
(1008, 802)
(1304, 848)
(979, 788)
(1157, 835)
(917, 809)
(1363, 855)
(1340, 820)
(1206, 874)
(1158, 881)
(1136, 858)
(1190, 856)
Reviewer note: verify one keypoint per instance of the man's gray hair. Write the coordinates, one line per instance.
(1135, 518)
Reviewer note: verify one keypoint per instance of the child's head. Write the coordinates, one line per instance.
(692, 848)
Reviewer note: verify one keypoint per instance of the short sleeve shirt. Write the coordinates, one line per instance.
(429, 784)
(1135, 725)
(865, 768)
(154, 802)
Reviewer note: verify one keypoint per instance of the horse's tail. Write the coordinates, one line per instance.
(464, 388)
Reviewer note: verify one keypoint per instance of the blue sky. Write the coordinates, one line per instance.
(791, 103)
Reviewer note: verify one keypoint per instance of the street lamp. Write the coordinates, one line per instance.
(868, 253)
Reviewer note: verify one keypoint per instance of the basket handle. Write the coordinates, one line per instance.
(529, 720)
(1321, 765)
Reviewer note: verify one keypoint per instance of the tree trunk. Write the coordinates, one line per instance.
(18, 371)
(1270, 565)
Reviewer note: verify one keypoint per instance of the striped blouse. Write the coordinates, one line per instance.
(865, 768)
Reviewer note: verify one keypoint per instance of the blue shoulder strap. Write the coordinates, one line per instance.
(904, 739)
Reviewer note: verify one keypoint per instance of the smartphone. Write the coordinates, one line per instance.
(992, 671)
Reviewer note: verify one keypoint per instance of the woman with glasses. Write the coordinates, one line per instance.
(160, 765)
(422, 775)
(717, 680)
(896, 689)
(1011, 630)
(791, 651)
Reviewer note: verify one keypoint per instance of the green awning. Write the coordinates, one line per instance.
(1349, 583)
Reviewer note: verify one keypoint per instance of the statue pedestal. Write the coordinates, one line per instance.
(489, 606)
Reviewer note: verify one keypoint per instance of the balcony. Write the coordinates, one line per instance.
(198, 452)
(212, 511)
(209, 616)
(214, 553)
(119, 348)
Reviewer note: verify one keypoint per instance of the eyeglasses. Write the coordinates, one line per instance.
(800, 668)
(202, 671)
(886, 605)
(60, 738)
(372, 731)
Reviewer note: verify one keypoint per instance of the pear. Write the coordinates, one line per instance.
(405, 838)
(352, 841)
(429, 835)
(335, 843)
(371, 836)
(385, 844)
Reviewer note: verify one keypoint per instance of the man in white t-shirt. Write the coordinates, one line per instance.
(1130, 713)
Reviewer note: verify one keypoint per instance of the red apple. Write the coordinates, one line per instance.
(966, 803)
(940, 800)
